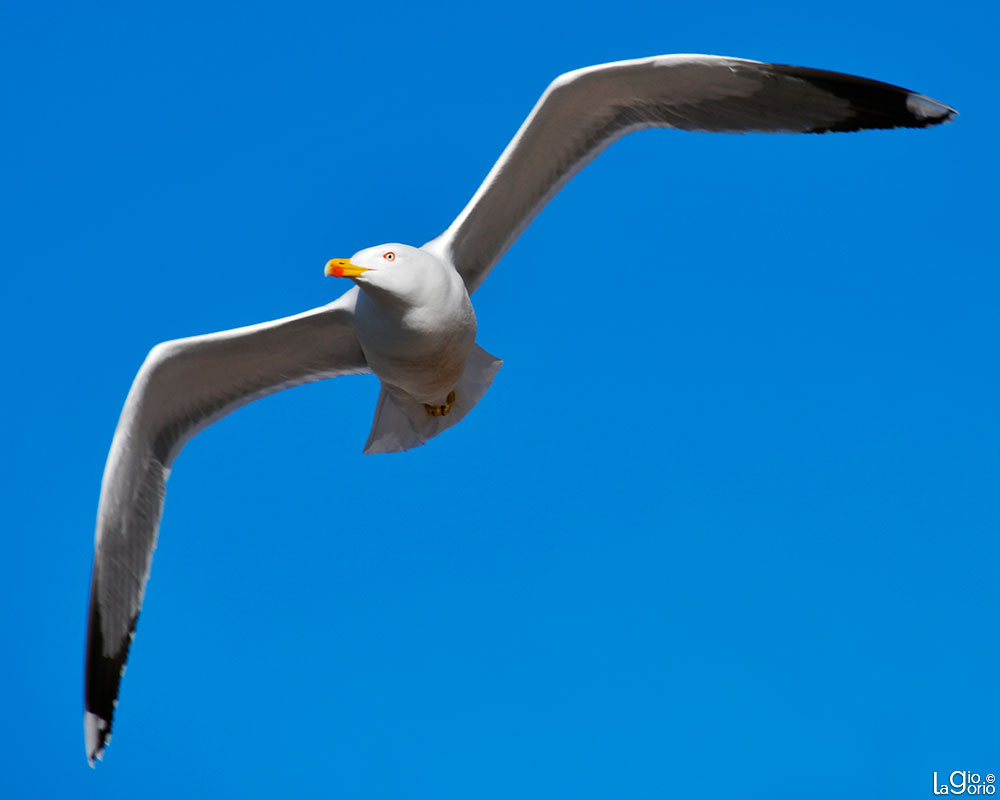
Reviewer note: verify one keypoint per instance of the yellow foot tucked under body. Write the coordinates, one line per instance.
(440, 411)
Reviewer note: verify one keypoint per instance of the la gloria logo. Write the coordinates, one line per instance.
(965, 782)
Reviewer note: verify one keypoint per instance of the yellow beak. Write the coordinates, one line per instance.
(343, 268)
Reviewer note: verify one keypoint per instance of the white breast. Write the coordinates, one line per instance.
(418, 345)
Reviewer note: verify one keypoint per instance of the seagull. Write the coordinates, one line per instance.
(408, 319)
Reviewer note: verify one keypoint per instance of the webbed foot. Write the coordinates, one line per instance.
(440, 411)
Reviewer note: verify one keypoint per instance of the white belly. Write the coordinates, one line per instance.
(419, 353)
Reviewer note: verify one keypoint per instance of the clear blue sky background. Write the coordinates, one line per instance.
(726, 524)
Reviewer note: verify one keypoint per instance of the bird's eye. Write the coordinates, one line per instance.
(390, 256)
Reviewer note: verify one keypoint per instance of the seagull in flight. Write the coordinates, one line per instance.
(408, 318)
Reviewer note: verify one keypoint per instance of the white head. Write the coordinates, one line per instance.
(398, 270)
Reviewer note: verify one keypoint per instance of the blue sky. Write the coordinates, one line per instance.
(726, 523)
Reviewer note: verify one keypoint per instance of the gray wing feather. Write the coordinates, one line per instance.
(582, 112)
(182, 387)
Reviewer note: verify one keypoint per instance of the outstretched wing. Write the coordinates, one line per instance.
(582, 112)
(183, 387)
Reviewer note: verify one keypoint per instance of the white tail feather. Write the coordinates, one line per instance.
(401, 424)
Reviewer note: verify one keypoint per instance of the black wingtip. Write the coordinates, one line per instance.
(103, 672)
(872, 104)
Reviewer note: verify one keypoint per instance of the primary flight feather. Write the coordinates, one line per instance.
(409, 319)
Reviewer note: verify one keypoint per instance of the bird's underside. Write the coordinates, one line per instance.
(187, 384)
